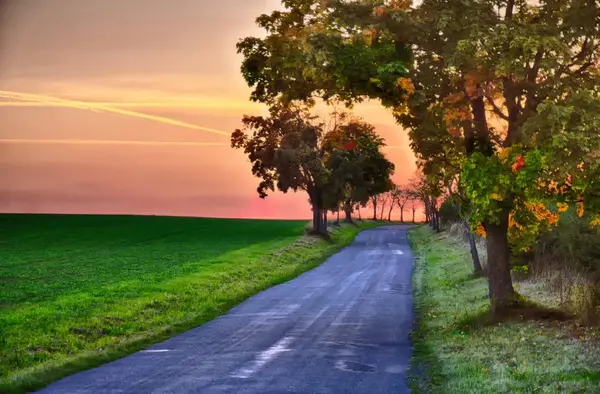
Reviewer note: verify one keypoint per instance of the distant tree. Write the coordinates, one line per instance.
(392, 198)
(402, 197)
(357, 166)
(293, 150)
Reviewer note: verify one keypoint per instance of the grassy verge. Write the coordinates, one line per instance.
(459, 349)
(79, 291)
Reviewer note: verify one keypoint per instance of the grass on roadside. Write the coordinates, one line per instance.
(457, 349)
(79, 291)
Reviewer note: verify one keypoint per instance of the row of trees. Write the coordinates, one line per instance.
(501, 97)
(405, 197)
(337, 163)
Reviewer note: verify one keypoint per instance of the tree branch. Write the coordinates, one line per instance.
(495, 108)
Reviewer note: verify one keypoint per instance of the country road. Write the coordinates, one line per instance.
(340, 328)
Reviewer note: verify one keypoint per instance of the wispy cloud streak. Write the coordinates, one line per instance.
(43, 100)
(110, 142)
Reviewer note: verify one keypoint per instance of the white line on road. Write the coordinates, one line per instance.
(264, 357)
(156, 351)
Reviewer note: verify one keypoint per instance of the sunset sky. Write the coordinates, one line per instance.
(125, 106)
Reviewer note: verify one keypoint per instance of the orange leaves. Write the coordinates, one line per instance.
(562, 207)
(480, 230)
(400, 4)
(370, 35)
(542, 213)
(454, 117)
(580, 209)
(406, 85)
(456, 112)
(519, 164)
(394, 5)
(379, 11)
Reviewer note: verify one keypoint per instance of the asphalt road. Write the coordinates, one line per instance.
(340, 328)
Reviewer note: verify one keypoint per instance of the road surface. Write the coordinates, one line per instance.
(340, 328)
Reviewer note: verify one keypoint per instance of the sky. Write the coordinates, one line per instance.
(125, 107)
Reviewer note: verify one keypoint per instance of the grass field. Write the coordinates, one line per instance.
(460, 349)
(77, 291)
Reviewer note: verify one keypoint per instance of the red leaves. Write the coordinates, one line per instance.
(350, 145)
(519, 164)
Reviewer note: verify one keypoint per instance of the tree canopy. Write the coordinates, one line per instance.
(500, 97)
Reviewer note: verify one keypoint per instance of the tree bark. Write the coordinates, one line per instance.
(402, 214)
(414, 211)
(337, 220)
(501, 291)
(324, 228)
(382, 209)
(316, 219)
(390, 212)
(359, 215)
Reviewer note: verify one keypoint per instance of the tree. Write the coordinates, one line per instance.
(515, 82)
(286, 152)
(357, 166)
(292, 150)
(393, 196)
(402, 196)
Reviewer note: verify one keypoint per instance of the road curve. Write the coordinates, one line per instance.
(340, 328)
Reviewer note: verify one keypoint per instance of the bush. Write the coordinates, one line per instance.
(448, 214)
(567, 259)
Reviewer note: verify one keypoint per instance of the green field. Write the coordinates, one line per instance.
(77, 291)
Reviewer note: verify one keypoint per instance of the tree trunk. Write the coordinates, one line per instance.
(359, 215)
(374, 209)
(382, 209)
(477, 269)
(316, 199)
(414, 211)
(402, 213)
(390, 212)
(316, 219)
(348, 212)
(501, 291)
(337, 220)
(324, 228)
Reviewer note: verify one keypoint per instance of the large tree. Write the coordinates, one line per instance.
(334, 164)
(506, 89)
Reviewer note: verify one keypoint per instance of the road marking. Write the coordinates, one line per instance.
(156, 351)
(264, 357)
(398, 252)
